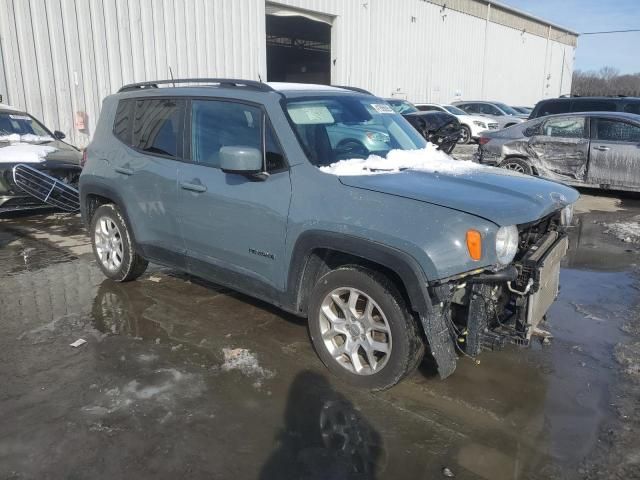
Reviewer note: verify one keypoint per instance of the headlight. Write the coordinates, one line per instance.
(480, 124)
(566, 215)
(506, 244)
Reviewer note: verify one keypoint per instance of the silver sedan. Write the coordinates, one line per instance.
(591, 149)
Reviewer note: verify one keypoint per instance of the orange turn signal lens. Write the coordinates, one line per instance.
(474, 244)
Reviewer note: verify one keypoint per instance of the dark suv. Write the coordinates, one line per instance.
(383, 247)
(553, 106)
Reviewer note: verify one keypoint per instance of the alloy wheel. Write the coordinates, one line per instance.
(516, 167)
(109, 246)
(355, 331)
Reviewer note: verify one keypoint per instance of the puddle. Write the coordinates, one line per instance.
(19, 254)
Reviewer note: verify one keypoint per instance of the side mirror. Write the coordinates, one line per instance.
(58, 135)
(242, 160)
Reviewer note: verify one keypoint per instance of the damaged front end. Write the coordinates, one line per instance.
(39, 185)
(490, 308)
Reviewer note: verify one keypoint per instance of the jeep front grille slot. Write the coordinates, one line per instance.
(46, 188)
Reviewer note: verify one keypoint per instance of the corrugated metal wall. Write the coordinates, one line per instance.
(60, 57)
(427, 52)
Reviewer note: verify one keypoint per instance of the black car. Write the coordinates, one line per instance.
(46, 164)
(439, 128)
(554, 106)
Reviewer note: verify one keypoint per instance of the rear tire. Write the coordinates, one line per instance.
(113, 245)
(361, 328)
(517, 165)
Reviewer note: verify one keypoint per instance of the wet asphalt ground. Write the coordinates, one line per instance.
(183, 379)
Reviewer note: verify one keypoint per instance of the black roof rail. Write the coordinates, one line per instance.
(222, 82)
(353, 89)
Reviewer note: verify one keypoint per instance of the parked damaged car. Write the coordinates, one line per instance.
(440, 128)
(594, 149)
(238, 182)
(37, 169)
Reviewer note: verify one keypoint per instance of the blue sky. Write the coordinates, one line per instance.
(594, 51)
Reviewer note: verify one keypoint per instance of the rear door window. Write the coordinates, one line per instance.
(616, 131)
(158, 126)
(488, 109)
(469, 107)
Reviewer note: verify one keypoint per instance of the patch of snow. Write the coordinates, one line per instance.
(24, 153)
(428, 159)
(26, 138)
(628, 232)
(163, 388)
(246, 362)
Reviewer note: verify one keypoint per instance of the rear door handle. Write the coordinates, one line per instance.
(193, 187)
(124, 171)
(601, 148)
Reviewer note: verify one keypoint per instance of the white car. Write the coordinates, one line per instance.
(472, 125)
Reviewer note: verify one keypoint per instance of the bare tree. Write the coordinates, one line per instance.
(606, 81)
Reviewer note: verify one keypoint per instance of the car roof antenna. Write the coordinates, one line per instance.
(171, 75)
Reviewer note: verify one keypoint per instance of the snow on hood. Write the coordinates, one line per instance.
(428, 159)
(28, 138)
(24, 153)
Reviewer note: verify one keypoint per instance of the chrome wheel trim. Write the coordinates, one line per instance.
(109, 245)
(514, 167)
(464, 137)
(355, 331)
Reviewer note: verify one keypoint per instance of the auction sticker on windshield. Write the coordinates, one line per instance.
(382, 108)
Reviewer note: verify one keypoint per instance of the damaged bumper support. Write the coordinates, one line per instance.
(489, 309)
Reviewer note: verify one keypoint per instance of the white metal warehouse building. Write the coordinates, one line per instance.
(60, 58)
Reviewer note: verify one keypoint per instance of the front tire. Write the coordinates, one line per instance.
(362, 330)
(113, 245)
(465, 135)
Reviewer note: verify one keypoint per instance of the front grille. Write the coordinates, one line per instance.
(46, 188)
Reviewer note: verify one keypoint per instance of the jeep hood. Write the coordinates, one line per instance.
(497, 195)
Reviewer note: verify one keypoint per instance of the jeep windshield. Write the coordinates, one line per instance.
(16, 126)
(345, 127)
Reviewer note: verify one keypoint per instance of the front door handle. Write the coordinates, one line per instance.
(124, 171)
(602, 148)
(193, 187)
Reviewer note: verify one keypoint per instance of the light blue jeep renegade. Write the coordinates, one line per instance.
(224, 179)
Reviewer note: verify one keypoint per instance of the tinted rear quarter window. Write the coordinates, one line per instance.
(123, 122)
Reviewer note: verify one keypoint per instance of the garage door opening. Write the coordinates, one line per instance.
(298, 50)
